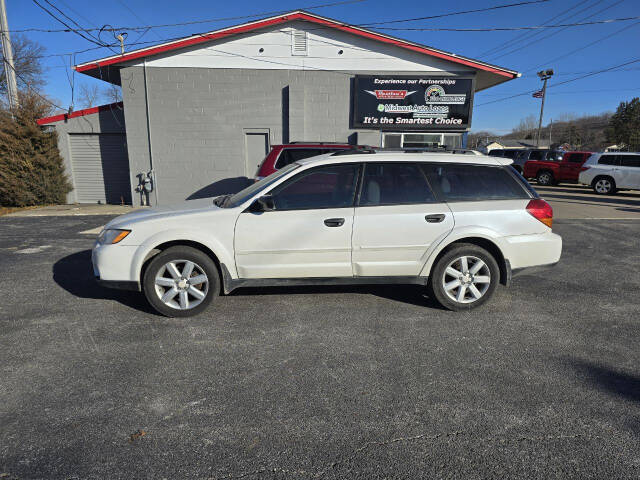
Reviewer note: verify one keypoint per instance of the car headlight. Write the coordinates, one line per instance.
(111, 236)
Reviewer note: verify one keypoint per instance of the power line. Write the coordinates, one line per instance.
(478, 10)
(561, 83)
(211, 20)
(525, 41)
(518, 38)
(533, 69)
(194, 22)
(506, 29)
(31, 88)
(555, 32)
(77, 32)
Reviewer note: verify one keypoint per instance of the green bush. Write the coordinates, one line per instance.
(31, 168)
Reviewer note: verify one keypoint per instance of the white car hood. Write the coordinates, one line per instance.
(167, 211)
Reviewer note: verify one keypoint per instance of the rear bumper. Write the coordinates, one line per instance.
(534, 250)
(532, 270)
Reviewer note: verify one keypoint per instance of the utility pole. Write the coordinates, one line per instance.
(7, 54)
(544, 76)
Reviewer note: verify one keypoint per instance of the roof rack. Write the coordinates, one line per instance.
(354, 151)
(299, 142)
(369, 150)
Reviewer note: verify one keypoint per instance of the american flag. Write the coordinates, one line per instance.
(537, 94)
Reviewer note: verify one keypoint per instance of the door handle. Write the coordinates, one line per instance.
(435, 218)
(334, 222)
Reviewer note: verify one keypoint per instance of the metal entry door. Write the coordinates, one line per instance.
(256, 148)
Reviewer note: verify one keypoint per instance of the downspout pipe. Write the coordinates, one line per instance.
(146, 102)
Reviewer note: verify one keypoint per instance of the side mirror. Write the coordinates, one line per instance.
(265, 203)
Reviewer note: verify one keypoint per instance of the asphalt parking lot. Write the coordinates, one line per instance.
(344, 382)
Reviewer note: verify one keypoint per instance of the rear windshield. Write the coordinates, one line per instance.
(460, 183)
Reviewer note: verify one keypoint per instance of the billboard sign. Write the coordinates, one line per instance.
(412, 103)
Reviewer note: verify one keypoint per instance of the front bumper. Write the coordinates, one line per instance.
(113, 266)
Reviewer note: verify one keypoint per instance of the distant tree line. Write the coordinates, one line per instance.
(589, 132)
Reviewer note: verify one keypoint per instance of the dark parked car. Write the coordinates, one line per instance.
(504, 152)
(536, 154)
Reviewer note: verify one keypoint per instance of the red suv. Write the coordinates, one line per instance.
(551, 172)
(282, 155)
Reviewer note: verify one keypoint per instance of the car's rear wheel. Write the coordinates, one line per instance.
(545, 178)
(181, 281)
(604, 185)
(465, 277)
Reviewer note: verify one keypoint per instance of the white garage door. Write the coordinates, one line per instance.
(100, 168)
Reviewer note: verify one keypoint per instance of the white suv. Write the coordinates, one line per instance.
(607, 172)
(457, 224)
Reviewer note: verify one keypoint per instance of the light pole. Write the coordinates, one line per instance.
(544, 76)
(7, 53)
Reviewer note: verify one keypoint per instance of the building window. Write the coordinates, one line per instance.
(421, 140)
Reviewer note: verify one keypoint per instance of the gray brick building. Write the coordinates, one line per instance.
(200, 113)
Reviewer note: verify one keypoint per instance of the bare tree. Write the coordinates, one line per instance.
(112, 93)
(27, 60)
(88, 95)
(526, 126)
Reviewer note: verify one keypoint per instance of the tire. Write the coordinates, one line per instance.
(604, 185)
(189, 298)
(545, 178)
(449, 298)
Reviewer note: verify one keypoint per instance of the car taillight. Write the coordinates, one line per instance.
(541, 210)
(582, 169)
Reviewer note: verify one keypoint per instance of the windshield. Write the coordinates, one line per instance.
(244, 195)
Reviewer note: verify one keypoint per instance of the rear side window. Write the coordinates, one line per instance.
(629, 160)
(608, 160)
(394, 184)
(536, 155)
(575, 157)
(290, 155)
(554, 156)
(460, 183)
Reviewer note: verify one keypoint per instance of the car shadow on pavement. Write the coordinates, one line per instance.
(610, 380)
(74, 274)
(409, 294)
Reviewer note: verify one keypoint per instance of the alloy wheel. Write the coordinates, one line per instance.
(466, 279)
(183, 279)
(603, 186)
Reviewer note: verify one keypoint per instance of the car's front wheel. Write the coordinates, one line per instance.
(181, 281)
(465, 277)
(604, 185)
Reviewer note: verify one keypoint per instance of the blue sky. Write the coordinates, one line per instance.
(513, 50)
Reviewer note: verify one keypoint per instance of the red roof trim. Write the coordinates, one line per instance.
(77, 113)
(285, 18)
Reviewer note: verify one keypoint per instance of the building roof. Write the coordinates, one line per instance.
(515, 143)
(78, 113)
(95, 67)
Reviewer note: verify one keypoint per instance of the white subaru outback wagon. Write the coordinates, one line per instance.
(456, 224)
